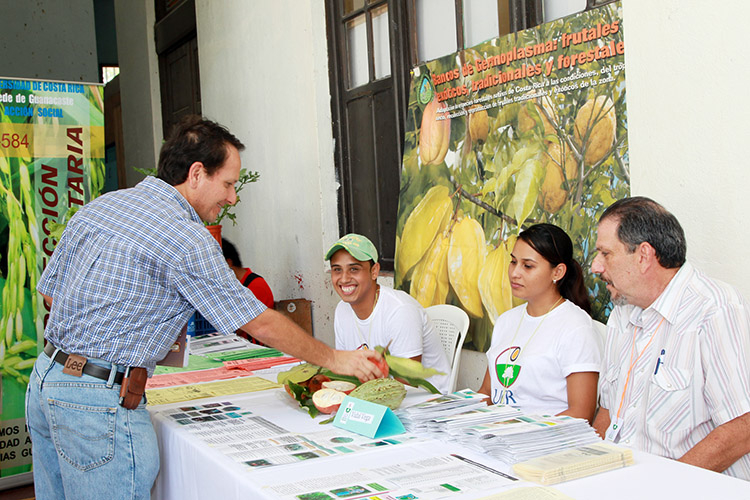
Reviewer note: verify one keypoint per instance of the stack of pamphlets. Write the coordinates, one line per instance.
(453, 427)
(525, 437)
(574, 463)
(504, 432)
(217, 342)
(415, 418)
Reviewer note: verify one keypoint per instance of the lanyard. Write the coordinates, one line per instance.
(633, 363)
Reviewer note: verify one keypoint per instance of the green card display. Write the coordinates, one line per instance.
(369, 419)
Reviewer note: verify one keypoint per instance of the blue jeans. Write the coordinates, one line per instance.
(84, 444)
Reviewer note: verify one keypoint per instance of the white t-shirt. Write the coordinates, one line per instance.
(399, 319)
(530, 372)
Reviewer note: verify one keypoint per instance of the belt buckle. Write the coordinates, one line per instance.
(74, 365)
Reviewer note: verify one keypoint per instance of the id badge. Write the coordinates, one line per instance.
(613, 431)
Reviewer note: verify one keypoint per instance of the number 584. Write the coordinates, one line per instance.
(14, 141)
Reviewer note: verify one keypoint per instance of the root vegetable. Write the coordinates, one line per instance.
(339, 385)
(316, 383)
(328, 400)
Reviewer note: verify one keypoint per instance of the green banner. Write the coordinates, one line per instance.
(518, 130)
(51, 163)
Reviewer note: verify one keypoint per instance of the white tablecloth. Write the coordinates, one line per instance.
(192, 470)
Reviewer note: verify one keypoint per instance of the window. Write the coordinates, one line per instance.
(373, 44)
(109, 72)
(369, 79)
(177, 47)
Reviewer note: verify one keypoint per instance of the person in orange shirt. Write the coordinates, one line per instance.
(248, 278)
(253, 281)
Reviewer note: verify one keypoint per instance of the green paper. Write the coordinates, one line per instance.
(194, 363)
(265, 352)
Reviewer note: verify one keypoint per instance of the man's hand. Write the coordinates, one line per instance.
(357, 363)
(276, 330)
(601, 422)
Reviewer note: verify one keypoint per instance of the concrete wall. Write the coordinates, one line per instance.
(139, 85)
(688, 124)
(264, 74)
(48, 39)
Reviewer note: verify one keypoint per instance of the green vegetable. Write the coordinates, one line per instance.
(410, 371)
(383, 391)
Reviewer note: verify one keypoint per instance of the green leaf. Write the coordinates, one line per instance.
(298, 374)
(56, 228)
(502, 181)
(489, 186)
(527, 189)
(246, 177)
(146, 171)
(304, 397)
(419, 382)
(409, 368)
(336, 376)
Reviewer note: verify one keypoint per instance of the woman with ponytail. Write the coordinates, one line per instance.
(545, 354)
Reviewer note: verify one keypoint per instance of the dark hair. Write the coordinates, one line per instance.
(194, 139)
(231, 253)
(555, 246)
(642, 219)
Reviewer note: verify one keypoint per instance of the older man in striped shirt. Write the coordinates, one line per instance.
(676, 379)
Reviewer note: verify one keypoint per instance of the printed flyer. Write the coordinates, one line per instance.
(51, 163)
(518, 130)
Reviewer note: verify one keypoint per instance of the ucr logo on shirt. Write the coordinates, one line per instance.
(507, 373)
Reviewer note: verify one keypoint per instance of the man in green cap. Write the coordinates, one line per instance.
(370, 315)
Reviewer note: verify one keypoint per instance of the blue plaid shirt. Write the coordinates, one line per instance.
(130, 269)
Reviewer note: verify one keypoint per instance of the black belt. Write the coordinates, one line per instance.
(89, 368)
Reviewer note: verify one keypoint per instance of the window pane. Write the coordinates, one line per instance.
(109, 72)
(436, 28)
(380, 41)
(352, 5)
(555, 9)
(480, 21)
(356, 40)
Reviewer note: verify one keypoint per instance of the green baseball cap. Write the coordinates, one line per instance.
(357, 245)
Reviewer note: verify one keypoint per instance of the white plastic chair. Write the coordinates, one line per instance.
(601, 330)
(451, 323)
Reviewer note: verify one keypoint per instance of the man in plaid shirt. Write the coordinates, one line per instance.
(131, 267)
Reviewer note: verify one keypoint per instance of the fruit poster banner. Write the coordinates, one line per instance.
(51, 163)
(518, 130)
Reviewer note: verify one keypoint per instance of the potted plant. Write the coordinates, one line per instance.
(246, 177)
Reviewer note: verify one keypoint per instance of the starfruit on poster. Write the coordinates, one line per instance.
(521, 129)
(51, 162)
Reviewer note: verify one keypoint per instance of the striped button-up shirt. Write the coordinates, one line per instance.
(692, 377)
(130, 269)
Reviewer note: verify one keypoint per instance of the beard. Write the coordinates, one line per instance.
(618, 300)
(614, 295)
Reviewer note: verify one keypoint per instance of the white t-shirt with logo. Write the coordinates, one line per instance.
(397, 319)
(530, 370)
